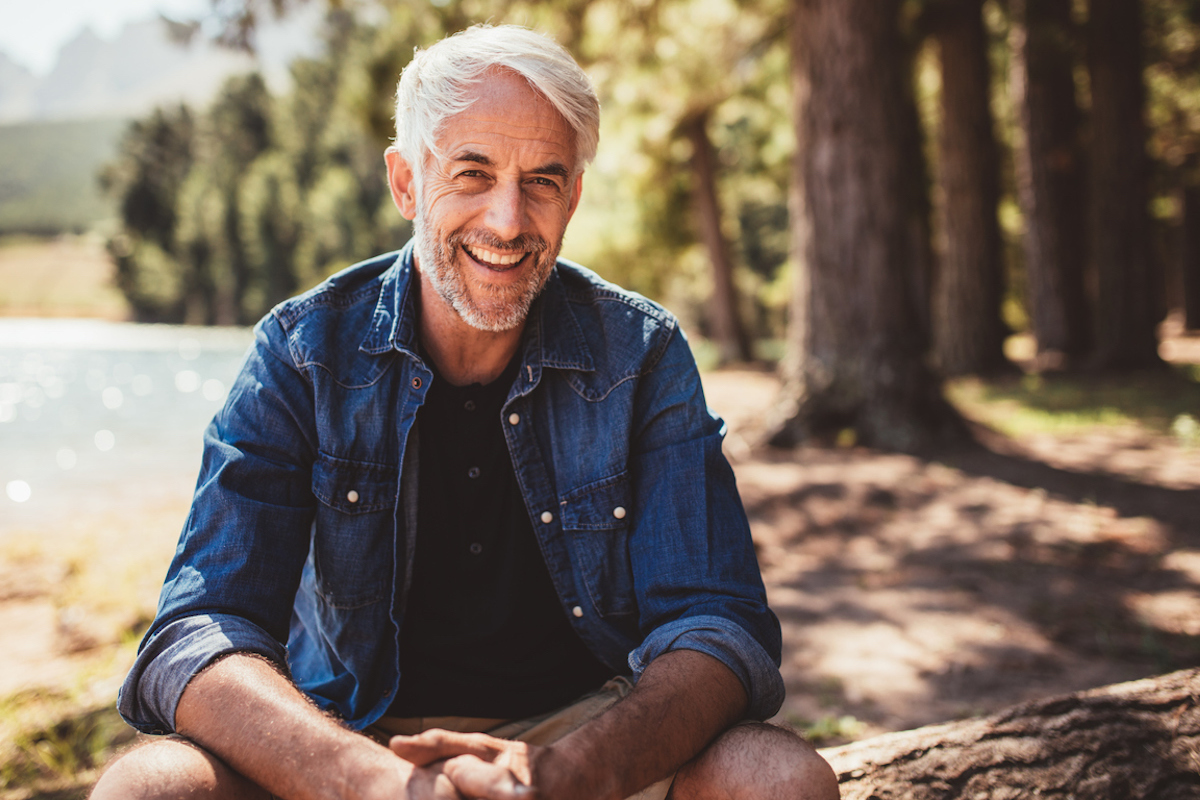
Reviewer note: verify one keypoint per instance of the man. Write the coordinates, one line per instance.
(454, 489)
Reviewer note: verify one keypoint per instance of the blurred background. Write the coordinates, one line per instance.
(950, 248)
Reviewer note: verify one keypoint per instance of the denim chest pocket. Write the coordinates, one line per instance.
(596, 520)
(353, 535)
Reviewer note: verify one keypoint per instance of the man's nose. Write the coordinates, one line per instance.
(506, 211)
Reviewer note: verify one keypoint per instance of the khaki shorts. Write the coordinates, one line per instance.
(540, 730)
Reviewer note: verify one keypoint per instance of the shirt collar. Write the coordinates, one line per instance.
(552, 337)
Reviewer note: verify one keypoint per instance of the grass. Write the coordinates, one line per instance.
(54, 745)
(1164, 403)
(49, 174)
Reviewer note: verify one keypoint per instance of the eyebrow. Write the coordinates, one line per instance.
(553, 168)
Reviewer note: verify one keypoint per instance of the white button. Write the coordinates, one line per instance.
(514, 418)
(352, 496)
(619, 512)
(577, 611)
(547, 517)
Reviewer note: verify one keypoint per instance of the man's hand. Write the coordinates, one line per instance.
(480, 766)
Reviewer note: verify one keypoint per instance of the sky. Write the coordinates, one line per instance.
(32, 31)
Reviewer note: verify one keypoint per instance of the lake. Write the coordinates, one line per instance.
(100, 416)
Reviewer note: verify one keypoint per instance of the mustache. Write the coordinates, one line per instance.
(527, 243)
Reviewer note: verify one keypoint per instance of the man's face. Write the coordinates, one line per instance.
(492, 209)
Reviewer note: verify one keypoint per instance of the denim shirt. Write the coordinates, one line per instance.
(300, 538)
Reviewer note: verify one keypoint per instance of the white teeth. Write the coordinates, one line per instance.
(492, 258)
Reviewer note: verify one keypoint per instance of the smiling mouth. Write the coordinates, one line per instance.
(493, 259)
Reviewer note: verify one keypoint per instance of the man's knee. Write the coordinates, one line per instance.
(757, 761)
(172, 768)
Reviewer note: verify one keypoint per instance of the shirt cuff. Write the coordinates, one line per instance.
(167, 662)
(727, 642)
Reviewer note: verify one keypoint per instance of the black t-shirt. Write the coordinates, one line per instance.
(484, 633)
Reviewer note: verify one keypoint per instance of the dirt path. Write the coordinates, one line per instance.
(913, 592)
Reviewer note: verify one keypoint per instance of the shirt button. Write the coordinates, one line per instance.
(469, 405)
(514, 418)
(473, 472)
(577, 611)
(547, 517)
(416, 382)
(352, 496)
(619, 512)
(476, 548)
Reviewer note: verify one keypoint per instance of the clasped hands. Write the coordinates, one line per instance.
(455, 766)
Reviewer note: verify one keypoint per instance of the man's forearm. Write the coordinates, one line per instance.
(244, 711)
(683, 701)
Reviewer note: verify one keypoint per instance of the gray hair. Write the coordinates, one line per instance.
(434, 85)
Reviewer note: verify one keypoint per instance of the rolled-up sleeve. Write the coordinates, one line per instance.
(175, 654)
(236, 569)
(698, 581)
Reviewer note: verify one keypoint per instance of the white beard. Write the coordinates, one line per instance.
(493, 309)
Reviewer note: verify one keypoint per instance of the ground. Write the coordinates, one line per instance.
(914, 591)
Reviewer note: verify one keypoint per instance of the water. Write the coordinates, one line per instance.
(98, 415)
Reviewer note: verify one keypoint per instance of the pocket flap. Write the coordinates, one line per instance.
(599, 506)
(354, 487)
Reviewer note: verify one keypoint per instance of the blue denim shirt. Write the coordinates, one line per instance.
(300, 538)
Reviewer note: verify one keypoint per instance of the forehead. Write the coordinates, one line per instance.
(507, 117)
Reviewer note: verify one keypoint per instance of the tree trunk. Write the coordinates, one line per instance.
(1119, 221)
(1190, 257)
(727, 329)
(968, 331)
(855, 347)
(1124, 742)
(1049, 178)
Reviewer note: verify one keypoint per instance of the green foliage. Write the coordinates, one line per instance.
(227, 212)
(1173, 80)
(47, 175)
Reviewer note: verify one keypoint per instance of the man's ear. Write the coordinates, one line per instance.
(576, 192)
(400, 179)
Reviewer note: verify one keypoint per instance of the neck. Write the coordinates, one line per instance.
(462, 354)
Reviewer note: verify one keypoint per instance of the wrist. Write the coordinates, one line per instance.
(560, 772)
(373, 771)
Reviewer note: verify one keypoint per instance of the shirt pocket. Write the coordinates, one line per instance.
(353, 535)
(595, 519)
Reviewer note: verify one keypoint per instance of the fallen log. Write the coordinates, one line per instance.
(1122, 742)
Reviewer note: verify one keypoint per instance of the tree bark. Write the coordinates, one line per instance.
(968, 334)
(1119, 221)
(1050, 178)
(855, 346)
(1124, 742)
(727, 329)
(1190, 257)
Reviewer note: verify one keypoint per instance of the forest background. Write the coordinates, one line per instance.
(860, 208)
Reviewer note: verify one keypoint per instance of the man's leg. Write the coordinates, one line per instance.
(173, 768)
(756, 761)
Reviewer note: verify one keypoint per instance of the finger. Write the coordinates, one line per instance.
(435, 745)
(432, 784)
(481, 779)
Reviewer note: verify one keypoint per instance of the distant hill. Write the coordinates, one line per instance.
(57, 130)
(48, 173)
(141, 67)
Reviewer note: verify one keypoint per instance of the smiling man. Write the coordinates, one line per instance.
(463, 528)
